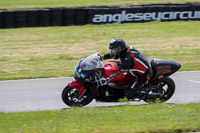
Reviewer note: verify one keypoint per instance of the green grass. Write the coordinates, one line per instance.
(25, 4)
(152, 118)
(55, 51)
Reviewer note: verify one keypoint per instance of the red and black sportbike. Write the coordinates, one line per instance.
(105, 82)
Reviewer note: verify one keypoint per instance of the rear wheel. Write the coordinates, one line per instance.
(165, 90)
(70, 97)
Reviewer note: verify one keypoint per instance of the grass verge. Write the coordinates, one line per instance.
(55, 51)
(151, 118)
(25, 4)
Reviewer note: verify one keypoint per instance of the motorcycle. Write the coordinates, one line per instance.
(105, 82)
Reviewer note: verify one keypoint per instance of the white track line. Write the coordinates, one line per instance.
(194, 81)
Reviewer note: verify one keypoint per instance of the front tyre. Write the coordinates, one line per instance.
(166, 90)
(70, 97)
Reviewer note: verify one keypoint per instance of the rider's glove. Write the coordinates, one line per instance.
(101, 57)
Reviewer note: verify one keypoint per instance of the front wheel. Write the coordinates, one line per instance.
(165, 90)
(70, 97)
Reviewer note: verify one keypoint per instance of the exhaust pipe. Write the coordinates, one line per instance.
(153, 95)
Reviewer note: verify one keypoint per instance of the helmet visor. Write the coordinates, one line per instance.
(115, 51)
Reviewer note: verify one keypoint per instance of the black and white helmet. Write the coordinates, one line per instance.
(117, 47)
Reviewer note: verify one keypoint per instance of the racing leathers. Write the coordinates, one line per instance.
(138, 66)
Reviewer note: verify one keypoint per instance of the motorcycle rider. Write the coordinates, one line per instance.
(133, 60)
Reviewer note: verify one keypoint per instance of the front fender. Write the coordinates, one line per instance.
(77, 85)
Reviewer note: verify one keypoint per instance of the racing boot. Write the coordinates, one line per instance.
(130, 93)
(134, 94)
(141, 94)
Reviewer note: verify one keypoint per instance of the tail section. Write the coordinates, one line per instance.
(164, 68)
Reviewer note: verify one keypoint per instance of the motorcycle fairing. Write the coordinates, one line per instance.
(77, 85)
(88, 65)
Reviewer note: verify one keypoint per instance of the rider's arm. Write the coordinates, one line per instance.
(106, 56)
(127, 62)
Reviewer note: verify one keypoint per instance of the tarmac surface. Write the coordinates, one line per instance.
(45, 94)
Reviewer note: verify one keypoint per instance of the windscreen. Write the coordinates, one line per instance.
(91, 62)
(87, 65)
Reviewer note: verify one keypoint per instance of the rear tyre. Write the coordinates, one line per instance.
(166, 89)
(70, 97)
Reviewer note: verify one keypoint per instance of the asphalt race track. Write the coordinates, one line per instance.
(45, 94)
